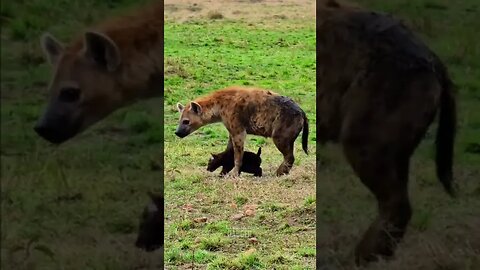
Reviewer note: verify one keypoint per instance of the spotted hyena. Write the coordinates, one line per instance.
(151, 227)
(104, 68)
(379, 88)
(248, 111)
(250, 163)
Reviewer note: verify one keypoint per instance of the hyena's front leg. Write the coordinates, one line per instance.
(238, 141)
(230, 143)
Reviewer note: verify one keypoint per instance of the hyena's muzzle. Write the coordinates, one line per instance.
(183, 130)
(58, 123)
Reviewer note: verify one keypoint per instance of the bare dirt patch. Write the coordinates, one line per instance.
(248, 10)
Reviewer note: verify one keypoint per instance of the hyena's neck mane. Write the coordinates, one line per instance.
(210, 111)
(138, 37)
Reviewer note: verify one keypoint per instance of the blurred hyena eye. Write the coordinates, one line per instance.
(186, 122)
(69, 94)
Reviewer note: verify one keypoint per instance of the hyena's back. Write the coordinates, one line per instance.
(258, 111)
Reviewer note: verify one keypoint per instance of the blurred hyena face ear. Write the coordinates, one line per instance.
(180, 107)
(51, 47)
(102, 50)
(196, 108)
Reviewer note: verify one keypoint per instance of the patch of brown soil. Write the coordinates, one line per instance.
(246, 10)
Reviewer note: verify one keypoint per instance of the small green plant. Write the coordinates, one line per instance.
(240, 200)
(213, 242)
(306, 251)
(219, 227)
(310, 200)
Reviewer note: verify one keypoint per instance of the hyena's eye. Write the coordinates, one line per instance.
(186, 122)
(69, 94)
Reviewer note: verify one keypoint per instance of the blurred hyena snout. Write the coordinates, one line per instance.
(57, 124)
(181, 132)
(50, 133)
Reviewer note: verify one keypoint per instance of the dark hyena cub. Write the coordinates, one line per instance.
(248, 111)
(150, 232)
(250, 163)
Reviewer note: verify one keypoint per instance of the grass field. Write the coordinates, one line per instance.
(77, 206)
(204, 54)
(444, 233)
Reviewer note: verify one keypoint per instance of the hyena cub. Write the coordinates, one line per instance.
(250, 163)
(248, 111)
(150, 231)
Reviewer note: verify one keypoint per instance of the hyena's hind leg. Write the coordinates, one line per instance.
(284, 138)
(284, 143)
(286, 148)
(386, 176)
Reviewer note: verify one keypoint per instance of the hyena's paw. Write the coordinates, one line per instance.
(223, 174)
(233, 174)
(283, 170)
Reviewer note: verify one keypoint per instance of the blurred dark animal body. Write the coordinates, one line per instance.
(378, 90)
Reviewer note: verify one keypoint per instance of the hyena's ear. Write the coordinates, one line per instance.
(196, 108)
(259, 152)
(157, 199)
(180, 107)
(102, 50)
(51, 47)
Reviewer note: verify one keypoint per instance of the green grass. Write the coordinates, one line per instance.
(201, 56)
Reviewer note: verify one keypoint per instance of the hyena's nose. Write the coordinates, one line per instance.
(180, 133)
(41, 130)
(47, 133)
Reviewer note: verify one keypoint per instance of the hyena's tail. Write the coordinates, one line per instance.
(259, 152)
(305, 134)
(446, 134)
